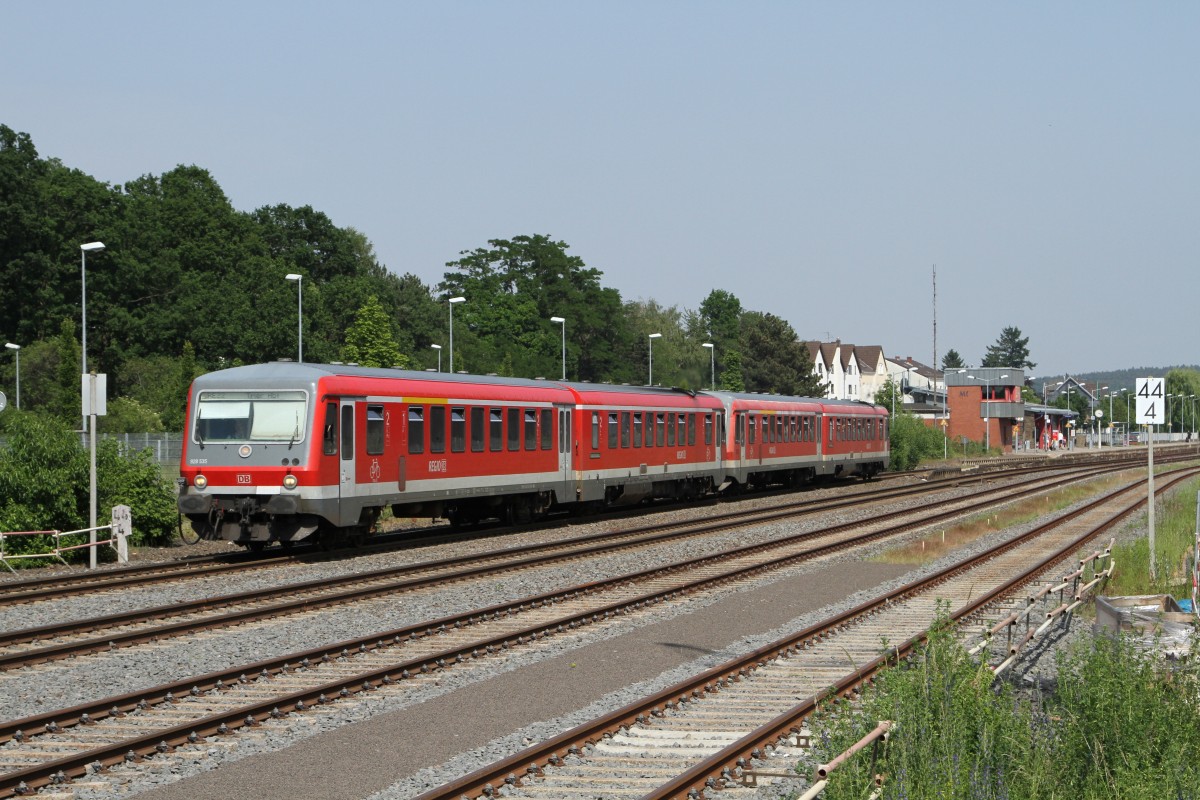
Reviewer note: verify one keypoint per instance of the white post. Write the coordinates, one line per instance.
(453, 301)
(563, 322)
(653, 336)
(92, 471)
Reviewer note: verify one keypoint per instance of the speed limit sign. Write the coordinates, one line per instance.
(1150, 409)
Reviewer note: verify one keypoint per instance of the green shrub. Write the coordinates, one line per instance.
(44, 484)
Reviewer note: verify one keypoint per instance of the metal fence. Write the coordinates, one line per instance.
(165, 448)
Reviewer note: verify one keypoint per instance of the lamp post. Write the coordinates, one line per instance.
(299, 279)
(563, 322)
(1128, 416)
(1099, 444)
(1191, 397)
(438, 347)
(653, 336)
(712, 362)
(16, 348)
(90, 247)
(987, 416)
(453, 302)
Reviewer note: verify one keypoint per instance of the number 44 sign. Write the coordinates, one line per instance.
(1150, 409)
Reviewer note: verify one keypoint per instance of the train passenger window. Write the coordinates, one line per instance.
(637, 430)
(477, 429)
(613, 427)
(437, 429)
(595, 430)
(548, 430)
(660, 427)
(531, 437)
(671, 430)
(514, 429)
(752, 431)
(739, 428)
(347, 433)
(624, 429)
(688, 420)
(708, 428)
(458, 430)
(374, 430)
(496, 429)
(416, 429)
(329, 437)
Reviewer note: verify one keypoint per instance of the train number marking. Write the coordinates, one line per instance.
(437, 466)
(375, 469)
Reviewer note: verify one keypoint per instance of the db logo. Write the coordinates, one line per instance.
(243, 478)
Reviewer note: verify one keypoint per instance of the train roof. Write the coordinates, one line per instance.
(781, 398)
(280, 372)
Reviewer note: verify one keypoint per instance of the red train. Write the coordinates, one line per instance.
(281, 452)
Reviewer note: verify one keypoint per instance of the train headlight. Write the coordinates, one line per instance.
(289, 481)
(201, 482)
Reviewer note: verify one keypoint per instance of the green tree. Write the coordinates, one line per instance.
(513, 287)
(369, 340)
(126, 415)
(1010, 350)
(779, 363)
(731, 378)
(952, 360)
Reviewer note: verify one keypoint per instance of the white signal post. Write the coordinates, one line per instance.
(1150, 397)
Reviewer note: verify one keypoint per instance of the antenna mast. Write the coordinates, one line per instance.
(935, 361)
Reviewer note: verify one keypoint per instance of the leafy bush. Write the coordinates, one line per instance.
(44, 484)
(912, 441)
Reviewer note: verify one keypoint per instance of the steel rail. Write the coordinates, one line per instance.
(248, 715)
(523, 557)
(707, 775)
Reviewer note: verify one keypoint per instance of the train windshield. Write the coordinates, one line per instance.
(251, 417)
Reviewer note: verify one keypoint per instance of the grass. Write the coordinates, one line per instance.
(1174, 539)
(1120, 725)
(934, 545)
(1119, 722)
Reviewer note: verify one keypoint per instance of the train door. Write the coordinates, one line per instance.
(739, 437)
(346, 463)
(565, 442)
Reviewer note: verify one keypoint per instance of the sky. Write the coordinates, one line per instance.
(818, 160)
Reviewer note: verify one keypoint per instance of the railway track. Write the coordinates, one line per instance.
(245, 696)
(28, 646)
(716, 729)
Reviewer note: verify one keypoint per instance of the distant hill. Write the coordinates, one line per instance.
(1117, 380)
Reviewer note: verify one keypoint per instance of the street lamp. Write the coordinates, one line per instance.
(1191, 397)
(299, 279)
(453, 301)
(438, 347)
(1099, 444)
(90, 247)
(16, 348)
(987, 416)
(712, 362)
(653, 336)
(563, 322)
